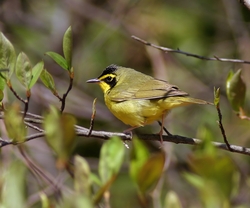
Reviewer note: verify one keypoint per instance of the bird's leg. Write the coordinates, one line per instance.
(164, 128)
(161, 131)
(129, 130)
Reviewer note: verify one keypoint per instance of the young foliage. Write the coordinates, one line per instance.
(236, 90)
(139, 155)
(7, 57)
(216, 96)
(111, 159)
(64, 62)
(67, 46)
(26, 74)
(35, 73)
(23, 69)
(14, 124)
(172, 200)
(58, 59)
(60, 134)
(214, 176)
(14, 185)
(82, 173)
(48, 81)
(150, 172)
(1, 95)
(145, 170)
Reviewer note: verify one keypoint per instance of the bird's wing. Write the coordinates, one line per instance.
(157, 89)
(151, 89)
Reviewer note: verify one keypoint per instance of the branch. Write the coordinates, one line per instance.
(71, 78)
(215, 58)
(84, 132)
(246, 3)
(91, 126)
(81, 131)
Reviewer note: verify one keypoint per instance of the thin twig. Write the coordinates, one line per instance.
(67, 92)
(215, 58)
(217, 105)
(33, 127)
(32, 115)
(91, 126)
(38, 172)
(222, 129)
(16, 95)
(26, 104)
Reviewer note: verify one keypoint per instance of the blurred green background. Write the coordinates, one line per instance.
(102, 33)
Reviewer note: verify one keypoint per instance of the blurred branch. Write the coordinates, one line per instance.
(246, 3)
(215, 58)
(37, 171)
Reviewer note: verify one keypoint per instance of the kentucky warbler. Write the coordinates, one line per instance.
(138, 99)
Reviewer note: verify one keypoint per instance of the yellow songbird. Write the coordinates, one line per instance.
(138, 99)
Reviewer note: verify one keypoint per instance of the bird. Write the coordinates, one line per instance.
(138, 99)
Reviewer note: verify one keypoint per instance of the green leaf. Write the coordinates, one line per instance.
(210, 192)
(48, 80)
(236, 90)
(74, 200)
(216, 96)
(14, 182)
(36, 72)
(95, 179)
(111, 158)
(205, 147)
(2, 83)
(7, 56)
(67, 46)
(222, 174)
(60, 134)
(58, 59)
(1, 95)
(82, 180)
(139, 155)
(23, 69)
(98, 196)
(45, 200)
(172, 200)
(150, 173)
(14, 124)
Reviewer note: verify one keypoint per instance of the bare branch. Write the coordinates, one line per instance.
(246, 3)
(33, 127)
(81, 131)
(92, 117)
(215, 58)
(84, 132)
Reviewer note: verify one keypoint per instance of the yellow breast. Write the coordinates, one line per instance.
(136, 112)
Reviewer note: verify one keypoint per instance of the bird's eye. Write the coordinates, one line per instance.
(109, 79)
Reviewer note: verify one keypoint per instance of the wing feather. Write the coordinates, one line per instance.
(147, 89)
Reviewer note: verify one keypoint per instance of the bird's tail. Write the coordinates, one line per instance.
(190, 100)
(173, 102)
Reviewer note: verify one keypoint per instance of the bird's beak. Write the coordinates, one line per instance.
(95, 80)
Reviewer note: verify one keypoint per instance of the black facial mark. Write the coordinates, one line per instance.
(109, 70)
